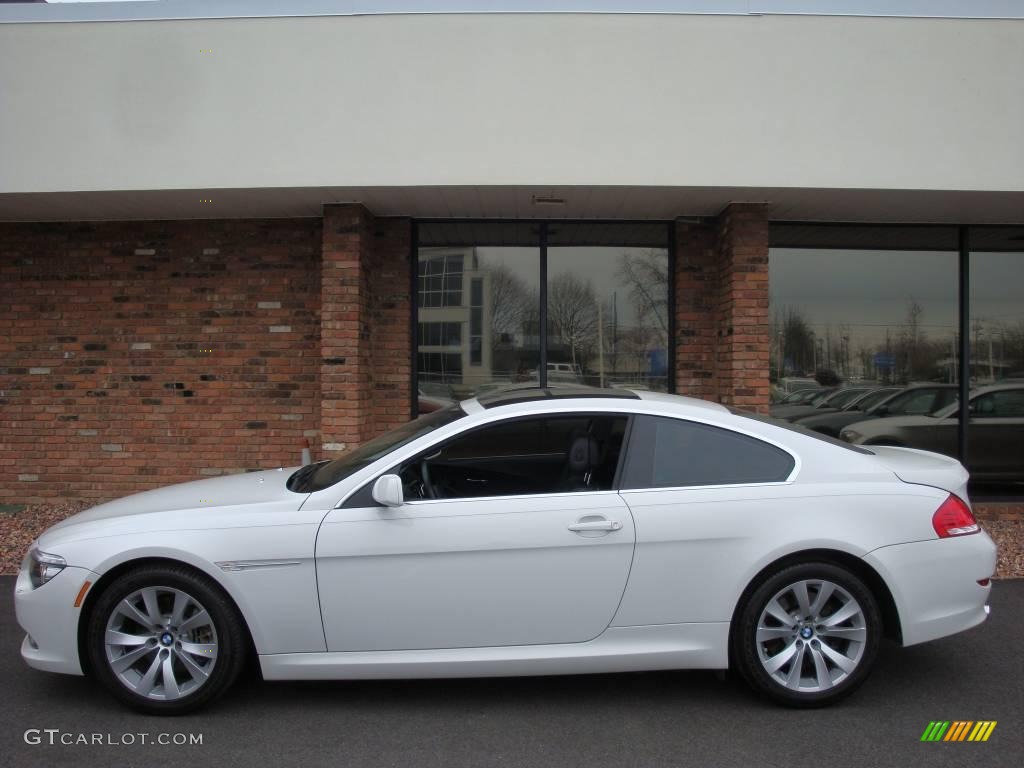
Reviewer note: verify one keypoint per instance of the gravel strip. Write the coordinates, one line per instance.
(1009, 538)
(17, 531)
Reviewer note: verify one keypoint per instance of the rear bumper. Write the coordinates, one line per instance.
(935, 584)
(50, 620)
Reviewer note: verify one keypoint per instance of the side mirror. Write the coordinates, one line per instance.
(882, 410)
(388, 491)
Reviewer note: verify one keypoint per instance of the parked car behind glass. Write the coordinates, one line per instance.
(835, 400)
(995, 450)
(915, 400)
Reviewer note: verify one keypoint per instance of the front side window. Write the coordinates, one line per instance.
(673, 453)
(1007, 403)
(547, 454)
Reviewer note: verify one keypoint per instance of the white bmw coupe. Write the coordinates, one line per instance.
(530, 532)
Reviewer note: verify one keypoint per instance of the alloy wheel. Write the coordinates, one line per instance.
(811, 636)
(161, 643)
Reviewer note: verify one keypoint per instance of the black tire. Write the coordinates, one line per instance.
(753, 657)
(231, 639)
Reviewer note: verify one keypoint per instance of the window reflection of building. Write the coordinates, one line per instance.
(479, 317)
(454, 331)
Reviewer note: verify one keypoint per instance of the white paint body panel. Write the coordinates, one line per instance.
(500, 586)
(619, 649)
(472, 572)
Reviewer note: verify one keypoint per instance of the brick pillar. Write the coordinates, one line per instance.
(364, 335)
(696, 286)
(345, 360)
(742, 365)
(721, 286)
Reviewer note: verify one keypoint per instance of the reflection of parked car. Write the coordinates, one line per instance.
(995, 449)
(801, 396)
(795, 384)
(565, 373)
(833, 400)
(915, 400)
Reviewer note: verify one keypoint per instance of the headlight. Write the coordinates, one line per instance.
(42, 566)
(850, 436)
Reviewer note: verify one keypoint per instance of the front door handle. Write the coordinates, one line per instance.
(595, 525)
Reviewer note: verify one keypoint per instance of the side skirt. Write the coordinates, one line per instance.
(618, 649)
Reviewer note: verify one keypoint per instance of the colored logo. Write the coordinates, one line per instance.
(958, 730)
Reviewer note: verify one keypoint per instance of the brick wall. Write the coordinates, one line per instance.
(721, 288)
(697, 310)
(742, 365)
(143, 353)
(365, 342)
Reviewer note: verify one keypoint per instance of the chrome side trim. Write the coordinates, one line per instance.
(249, 565)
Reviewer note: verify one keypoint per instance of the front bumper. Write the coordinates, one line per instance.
(50, 619)
(935, 583)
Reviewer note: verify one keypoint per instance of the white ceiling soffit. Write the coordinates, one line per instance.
(158, 10)
(521, 202)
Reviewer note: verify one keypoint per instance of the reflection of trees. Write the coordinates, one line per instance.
(909, 354)
(511, 302)
(793, 332)
(572, 313)
(646, 277)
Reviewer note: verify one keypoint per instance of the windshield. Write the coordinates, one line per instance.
(324, 474)
(801, 397)
(843, 397)
(871, 399)
(821, 396)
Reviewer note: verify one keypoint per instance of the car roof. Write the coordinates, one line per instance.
(567, 394)
(995, 388)
(531, 394)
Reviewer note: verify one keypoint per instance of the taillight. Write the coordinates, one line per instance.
(954, 518)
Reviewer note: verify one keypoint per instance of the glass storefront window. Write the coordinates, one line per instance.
(862, 305)
(479, 306)
(608, 316)
(995, 450)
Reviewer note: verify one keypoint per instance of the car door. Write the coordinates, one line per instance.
(516, 549)
(996, 435)
(701, 496)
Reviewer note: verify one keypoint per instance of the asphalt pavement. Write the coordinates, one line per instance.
(648, 719)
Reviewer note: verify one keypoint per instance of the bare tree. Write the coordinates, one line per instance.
(572, 312)
(510, 301)
(646, 275)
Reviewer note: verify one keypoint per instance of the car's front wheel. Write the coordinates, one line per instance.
(165, 639)
(808, 635)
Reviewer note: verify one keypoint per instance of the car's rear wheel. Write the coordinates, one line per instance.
(165, 639)
(808, 636)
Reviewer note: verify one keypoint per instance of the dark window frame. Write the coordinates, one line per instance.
(543, 226)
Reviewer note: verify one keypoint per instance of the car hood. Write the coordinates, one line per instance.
(231, 490)
(878, 426)
(832, 418)
(788, 411)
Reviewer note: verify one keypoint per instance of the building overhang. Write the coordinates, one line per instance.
(176, 10)
(522, 202)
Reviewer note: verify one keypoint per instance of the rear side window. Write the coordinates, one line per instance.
(670, 453)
